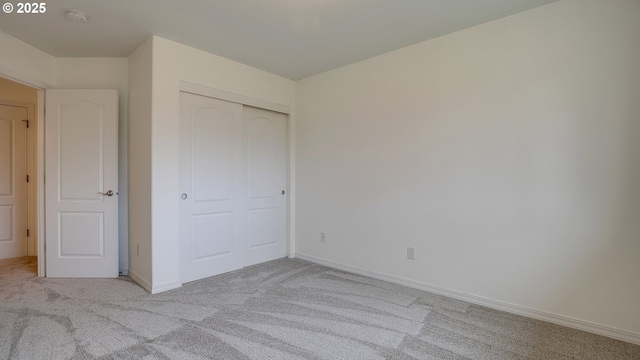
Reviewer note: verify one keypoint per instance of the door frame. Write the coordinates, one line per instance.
(32, 170)
(201, 90)
(36, 163)
(39, 163)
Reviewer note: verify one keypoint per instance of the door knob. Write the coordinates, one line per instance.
(108, 193)
(183, 196)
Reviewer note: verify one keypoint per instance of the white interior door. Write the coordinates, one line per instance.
(13, 181)
(81, 183)
(266, 149)
(210, 185)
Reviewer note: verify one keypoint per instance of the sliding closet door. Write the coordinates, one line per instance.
(212, 189)
(232, 186)
(266, 149)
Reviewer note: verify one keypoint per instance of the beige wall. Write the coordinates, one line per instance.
(13, 91)
(506, 154)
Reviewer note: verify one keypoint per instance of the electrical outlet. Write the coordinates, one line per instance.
(322, 237)
(411, 253)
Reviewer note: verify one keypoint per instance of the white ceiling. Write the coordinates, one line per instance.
(291, 38)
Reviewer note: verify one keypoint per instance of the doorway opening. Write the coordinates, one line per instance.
(19, 203)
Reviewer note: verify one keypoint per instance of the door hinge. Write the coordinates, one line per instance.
(26, 122)
(27, 232)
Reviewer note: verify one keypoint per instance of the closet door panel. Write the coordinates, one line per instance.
(266, 148)
(211, 232)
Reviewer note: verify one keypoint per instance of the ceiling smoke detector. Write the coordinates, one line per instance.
(76, 15)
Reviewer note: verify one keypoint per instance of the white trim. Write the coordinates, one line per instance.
(153, 289)
(32, 168)
(232, 97)
(587, 326)
(165, 287)
(22, 78)
(40, 173)
(291, 173)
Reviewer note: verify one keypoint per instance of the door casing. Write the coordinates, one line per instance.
(33, 242)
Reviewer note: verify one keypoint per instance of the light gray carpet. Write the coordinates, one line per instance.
(283, 309)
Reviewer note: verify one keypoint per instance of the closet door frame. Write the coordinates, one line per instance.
(201, 90)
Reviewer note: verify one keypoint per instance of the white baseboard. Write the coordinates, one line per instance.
(165, 287)
(587, 326)
(153, 289)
